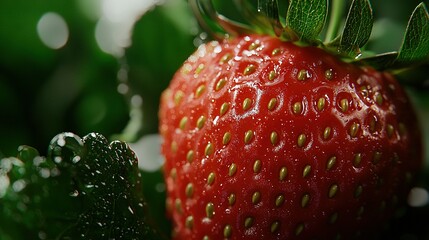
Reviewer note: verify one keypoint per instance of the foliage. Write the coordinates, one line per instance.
(85, 189)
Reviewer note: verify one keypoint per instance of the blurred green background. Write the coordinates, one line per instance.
(86, 65)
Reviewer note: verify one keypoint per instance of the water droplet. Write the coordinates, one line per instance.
(75, 193)
(122, 88)
(65, 144)
(4, 184)
(53, 30)
(130, 209)
(19, 185)
(76, 159)
(45, 172)
(55, 172)
(418, 197)
(38, 160)
(42, 235)
(58, 159)
(136, 101)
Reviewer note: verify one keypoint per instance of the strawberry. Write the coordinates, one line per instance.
(267, 139)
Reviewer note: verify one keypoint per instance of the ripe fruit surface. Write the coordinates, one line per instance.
(264, 139)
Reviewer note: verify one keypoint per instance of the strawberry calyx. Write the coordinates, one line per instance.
(304, 24)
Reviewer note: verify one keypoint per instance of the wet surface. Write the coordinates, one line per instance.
(87, 188)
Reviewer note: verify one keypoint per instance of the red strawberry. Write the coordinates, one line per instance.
(264, 139)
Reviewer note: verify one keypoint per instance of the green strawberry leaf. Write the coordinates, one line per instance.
(415, 46)
(380, 61)
(357, 28)
(263, 18)
(335, 19)
(305, 19)
(417, 77)
(85, 188)
(271, 10)
(216, 24)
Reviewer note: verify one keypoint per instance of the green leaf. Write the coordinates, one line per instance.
(85, 189)
(417, 77)
(262, 17)
(207, 16)
(415, 46)
(357, 28)
(271, 12)
(305, 18)
(380, 61)
(213, 22)
(336, 13)
(414, 50)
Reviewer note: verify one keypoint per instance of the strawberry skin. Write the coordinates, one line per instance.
(264, 139)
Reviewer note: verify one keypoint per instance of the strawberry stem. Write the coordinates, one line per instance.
(337, 9)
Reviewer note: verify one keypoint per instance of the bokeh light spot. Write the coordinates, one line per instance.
(53, 30)
(418, 197)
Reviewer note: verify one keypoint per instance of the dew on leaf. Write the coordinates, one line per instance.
(38, 160)
(19, 185)
(42, 235)
(75, 193)
(58, 159)
(76, 159)
(66, 145)
(4, 184)
(55, 172)
(130, 209)
(91, 189)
